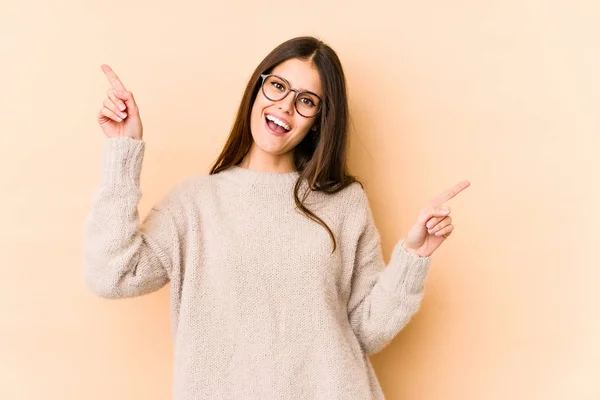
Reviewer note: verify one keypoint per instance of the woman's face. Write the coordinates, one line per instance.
(302, 75)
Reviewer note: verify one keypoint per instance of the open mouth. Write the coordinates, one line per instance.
(276, 125)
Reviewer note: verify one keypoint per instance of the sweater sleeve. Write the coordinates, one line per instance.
(121, 257)
(383, 298)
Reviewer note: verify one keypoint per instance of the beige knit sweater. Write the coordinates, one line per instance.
(260, 308)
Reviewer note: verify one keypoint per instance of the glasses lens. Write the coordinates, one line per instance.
(274, 88)
(308, 104)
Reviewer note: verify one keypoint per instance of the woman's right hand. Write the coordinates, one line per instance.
(119, 116)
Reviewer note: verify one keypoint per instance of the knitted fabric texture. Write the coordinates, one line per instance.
(260, 306)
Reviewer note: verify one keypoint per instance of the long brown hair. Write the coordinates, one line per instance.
(320, 157)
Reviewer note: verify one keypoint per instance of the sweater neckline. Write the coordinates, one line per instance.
(242, 174)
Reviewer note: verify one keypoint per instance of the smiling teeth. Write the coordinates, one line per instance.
(278, 122)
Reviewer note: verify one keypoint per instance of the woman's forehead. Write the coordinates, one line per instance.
(301, 74)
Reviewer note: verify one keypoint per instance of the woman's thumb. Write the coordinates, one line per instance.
(127, 97)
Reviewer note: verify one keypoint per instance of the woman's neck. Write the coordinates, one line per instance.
(257, 160)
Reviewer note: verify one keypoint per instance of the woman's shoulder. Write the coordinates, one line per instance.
(190, 186)
(347, 203)
(353, 195)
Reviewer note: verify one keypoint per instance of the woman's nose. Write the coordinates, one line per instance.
(287, 103)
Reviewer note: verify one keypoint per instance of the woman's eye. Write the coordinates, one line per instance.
(307, 102)
(278, 86)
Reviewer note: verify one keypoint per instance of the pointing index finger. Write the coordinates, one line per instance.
(113, 78)
(449, 193)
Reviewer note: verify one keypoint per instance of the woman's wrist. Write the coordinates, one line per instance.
(413, 251)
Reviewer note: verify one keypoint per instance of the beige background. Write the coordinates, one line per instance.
(503, 93)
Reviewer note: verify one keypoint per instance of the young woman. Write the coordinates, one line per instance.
(278, 286)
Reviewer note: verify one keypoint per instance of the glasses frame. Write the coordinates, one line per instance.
(289, 89)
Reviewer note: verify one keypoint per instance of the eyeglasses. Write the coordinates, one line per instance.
(276, 88)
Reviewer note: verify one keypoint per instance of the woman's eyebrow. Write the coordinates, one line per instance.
(300, 88)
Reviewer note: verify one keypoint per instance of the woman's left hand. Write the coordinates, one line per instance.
(434, 223)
